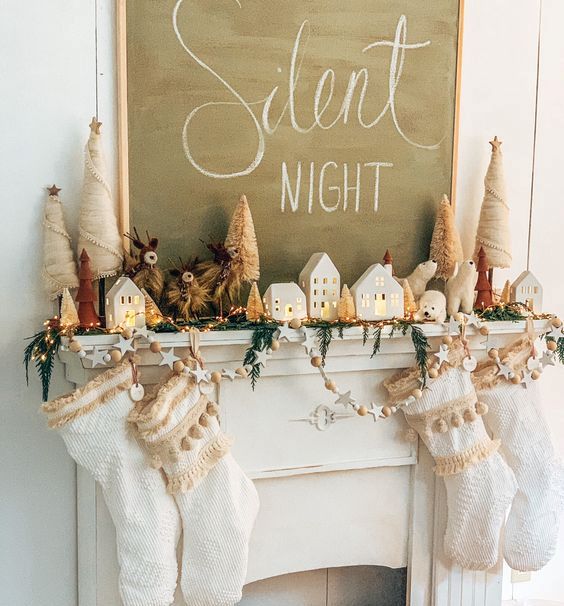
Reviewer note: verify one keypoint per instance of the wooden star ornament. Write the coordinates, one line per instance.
(95, 125)
(53, 190)
(496, 144)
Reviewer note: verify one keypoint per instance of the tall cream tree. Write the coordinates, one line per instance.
(98, 226)
(241, 237)
(446, 247)
(493, 228)
(59, 267)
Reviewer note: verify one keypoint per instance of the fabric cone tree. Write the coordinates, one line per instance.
(85, 295)
(59, 267)
(345, 308)
(241, 237)
(69, 315)
(493, 228)
(446, 247)
(98, 228)
(483, 287)
(255, 308)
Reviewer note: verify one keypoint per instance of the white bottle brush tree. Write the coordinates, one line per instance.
(59, 266)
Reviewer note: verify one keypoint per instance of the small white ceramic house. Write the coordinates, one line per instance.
(125, 305)
(527, 289)
(285, 301)
(377, 295)
(321, 283)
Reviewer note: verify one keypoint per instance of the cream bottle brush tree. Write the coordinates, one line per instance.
(98, 227)
(446, 247)
(493, 228)
(59, 267)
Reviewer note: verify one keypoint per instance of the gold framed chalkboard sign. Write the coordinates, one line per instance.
(338, 120)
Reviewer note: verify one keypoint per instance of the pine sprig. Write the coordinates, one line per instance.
(324, 335)
(377, 336)
(41, 351)
(261, 339)
(508, 312)
(365, 333)
(421, 345)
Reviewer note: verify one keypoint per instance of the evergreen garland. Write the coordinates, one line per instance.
(421, 345)
(506, 312)
(261, 339)
(377, 336)
(325, 336)
(41, 350)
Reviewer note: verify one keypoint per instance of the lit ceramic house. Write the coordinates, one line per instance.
(378, 295)
(285, 301)
(125, 305)
(321, 284)
(527, 289)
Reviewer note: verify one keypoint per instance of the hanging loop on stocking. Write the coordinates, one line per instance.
(136, 391)
(469, 363)
(194, 334)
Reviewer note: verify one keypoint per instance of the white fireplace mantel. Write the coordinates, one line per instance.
(354, 494)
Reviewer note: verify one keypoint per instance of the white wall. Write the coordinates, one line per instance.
(48, 97)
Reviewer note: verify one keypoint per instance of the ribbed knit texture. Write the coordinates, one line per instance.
(217, 502)
(93, 424)
(531, 532)
(479, 484)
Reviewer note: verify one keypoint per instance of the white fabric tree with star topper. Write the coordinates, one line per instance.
(98, 227)
(59, 266)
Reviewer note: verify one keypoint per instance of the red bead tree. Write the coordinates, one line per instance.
(85, 296)
(483, 287)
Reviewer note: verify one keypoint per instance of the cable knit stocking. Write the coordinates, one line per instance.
(479, 484)
(217, 502)
(515, 416)
(93, 424)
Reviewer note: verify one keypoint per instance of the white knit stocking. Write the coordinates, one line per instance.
(93, 423)
(217, 502)
(479, 484)
(515, 416)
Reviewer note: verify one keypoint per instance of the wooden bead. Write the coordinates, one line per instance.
(212, 409)
(433, 373)
(295, 323)
(204, 419)
(447, 340)
(459, 316)
(275, 345)
(556, 322)
(516, 378)
(386, 411)
(417, 394)
(186, 443)
(362, 411)
(316, 361)
(215, 377)
(484, 330)
(331, 385)
(457, 420)
(470, 415)
(535, 375)
(482, 408)
(115, 355)
(196, 432)
(442, 426)
(411, 435)
(155, 347)
(178, 366)
(551, 345)
(493, 353)
(127, 333)
(75, 346)
(242, 372)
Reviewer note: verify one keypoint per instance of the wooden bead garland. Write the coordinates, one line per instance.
(75, 346)
(215, 377)
(115, 355)
(275, 345)
(178, 366)
(551, 345)
(316, 361)
(242, 372)
(362, 411)
(155, 347)
(556, 322)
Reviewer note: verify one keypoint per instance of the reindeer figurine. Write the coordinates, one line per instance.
(184, 294)
(222, 275)
(142, 267)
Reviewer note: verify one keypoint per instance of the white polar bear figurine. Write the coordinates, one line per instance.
(432, 307)
(420, 276)
(460, 289)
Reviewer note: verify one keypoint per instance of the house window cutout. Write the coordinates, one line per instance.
(122, 300)
(288, 310)
(380, 304)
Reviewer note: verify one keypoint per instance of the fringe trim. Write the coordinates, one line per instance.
(208, 458)
(448, 466)
(424, 421)
(514, 355)
(402, 383)
(97, 383)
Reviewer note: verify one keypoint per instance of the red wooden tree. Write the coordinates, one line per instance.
(483, 287)
(85, 295)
